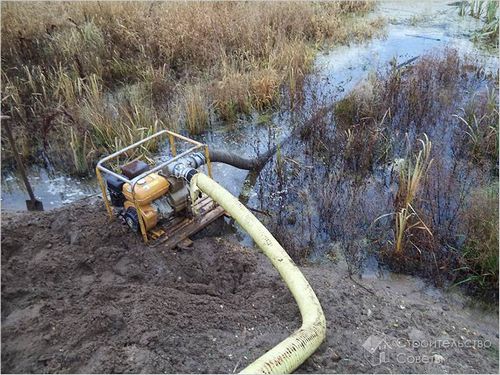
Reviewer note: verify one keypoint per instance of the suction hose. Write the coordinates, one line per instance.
(198, 159)
(255, 164)
(294, 350)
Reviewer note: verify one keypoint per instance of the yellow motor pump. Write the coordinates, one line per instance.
(153, 199)
(144, 196)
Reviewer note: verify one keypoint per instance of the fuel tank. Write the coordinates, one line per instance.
(147, 189)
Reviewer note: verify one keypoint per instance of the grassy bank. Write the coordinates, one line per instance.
(82, 79)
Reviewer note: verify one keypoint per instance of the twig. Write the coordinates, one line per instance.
(362, 286)
(236, 366)
(407, 62)
(258, 211)
(424, 37)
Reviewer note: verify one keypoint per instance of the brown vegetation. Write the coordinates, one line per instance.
(105, 74)
(380, 185)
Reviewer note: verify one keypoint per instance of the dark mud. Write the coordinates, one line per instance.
(80, 294)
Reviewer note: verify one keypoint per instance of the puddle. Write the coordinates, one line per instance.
(436, 26)
(52, 188)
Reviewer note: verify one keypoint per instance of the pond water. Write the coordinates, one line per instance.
(413, 29)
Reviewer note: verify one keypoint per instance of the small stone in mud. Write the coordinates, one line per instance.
(336, 357)
(59, 223)
(445, 308)
(74, 238)
(45, 357)
(416, 335)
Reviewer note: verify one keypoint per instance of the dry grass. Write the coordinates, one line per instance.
(412, 95)
(480, 253)
(411, 177)
(189, 59)
(412, 99)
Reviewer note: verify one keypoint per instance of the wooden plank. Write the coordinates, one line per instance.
(193, 227)
(180, 228)
(203, 203)
(185, 244)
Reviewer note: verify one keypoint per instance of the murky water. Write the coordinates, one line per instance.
(413, 29)
(52, 188)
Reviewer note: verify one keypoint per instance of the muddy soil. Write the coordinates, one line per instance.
(80, 294)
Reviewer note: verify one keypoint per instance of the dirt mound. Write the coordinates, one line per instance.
(81, 294)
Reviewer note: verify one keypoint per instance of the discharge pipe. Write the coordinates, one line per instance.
(294, 350)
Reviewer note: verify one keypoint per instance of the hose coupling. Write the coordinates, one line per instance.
(186, 167)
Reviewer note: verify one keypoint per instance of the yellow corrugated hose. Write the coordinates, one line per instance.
(295, 349)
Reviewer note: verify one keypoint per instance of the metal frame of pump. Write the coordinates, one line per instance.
(172, 139)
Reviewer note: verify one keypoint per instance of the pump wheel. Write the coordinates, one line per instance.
(132, 219)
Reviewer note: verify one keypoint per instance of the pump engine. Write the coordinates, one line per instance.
(157, 197)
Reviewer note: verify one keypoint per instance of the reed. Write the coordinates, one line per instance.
(480, 119)
(487, 12)
(195, 109)
(79, 147)
(411, 177)
(64, 63)
(412, 174)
